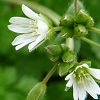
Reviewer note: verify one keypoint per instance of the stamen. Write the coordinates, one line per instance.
(35, 33)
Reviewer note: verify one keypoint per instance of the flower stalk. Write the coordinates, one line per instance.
(90, 41)
(95, 30)
(75, 5)
(48, 76)
(59, 28)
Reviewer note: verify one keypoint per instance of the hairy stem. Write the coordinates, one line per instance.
(45, 80)
(90, 42)
(75, 5)
(95, 30)
(57, 28)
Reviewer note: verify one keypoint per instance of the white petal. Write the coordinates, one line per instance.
(29, 13)
(94, 72)
(22, 38)
(95, 85)
(70, 83)
(20, 20)
(20, 29)
(33, 44)
(23, 44)
(68, 76)
(89, 87)
(75, 90)
(82, 92)
(42, 27)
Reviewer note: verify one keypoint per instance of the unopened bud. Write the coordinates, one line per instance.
(55, 58)
(38, 92)
(84, 18)
(64, 68)
(64, 47)
(80, 30)
(53, 49)
(67, 32)
(69, 57)
(67, 20)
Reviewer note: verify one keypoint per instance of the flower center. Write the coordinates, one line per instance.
(81, 75)
(33, 26)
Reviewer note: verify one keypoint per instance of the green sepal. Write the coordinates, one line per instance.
(51, 31)
(55, 58)
(85, 62)
(80, 30)
(37, 92)
(47, 20)
(64, 48)
(67, 32)
(50, 34)
(84, 18)
(69, 57)
(67, 20)
(71, 9)
(53, 49)
(65, 67)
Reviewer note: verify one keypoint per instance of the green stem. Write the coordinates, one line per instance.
(52, 32)
(37, 7)
(90, 42)
(57, 28)
(95, 30)
(75, 6)
(45, 80)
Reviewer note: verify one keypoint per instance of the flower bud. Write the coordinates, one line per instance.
(53, 49)
(67, 20)
(55, 58)
(80, 30)
(37, 92)
(64, 47)
(70, 43)
(64, 68)
(67, 32)
(69, 57)
(84, 18)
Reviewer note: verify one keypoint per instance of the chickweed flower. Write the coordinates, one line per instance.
(82, 81)
(32, 30)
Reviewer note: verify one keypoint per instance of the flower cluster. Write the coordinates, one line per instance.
(74, 24)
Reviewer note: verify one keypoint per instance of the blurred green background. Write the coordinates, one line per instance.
(21, 70)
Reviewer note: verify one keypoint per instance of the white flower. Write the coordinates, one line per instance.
(83, 83)
(32, 30)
